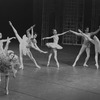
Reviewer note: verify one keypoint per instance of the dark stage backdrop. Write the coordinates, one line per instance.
(22, 13)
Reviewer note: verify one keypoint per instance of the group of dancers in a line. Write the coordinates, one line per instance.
(9, 61)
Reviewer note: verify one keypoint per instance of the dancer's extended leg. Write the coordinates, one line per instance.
(55, 57)
(49, 58)
(6, 84)
(0, 77)
(87, 58)
(21, 57)
(96, 60)
(78, 56)
(32, 58)
(16, 33)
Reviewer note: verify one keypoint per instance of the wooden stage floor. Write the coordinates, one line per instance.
(67, 83)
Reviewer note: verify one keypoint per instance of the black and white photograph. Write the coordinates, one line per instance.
(49, 49)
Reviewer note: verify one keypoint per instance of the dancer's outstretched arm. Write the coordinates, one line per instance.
(48, 37)
(63, 33)
(32, 31)
(76, 33)
(5, 40)
(93, 33)
(7, 45)
(86, 36)
(15, 31)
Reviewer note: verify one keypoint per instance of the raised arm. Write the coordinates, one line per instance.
(30, 29)
(7, 45)
(15, 31)
(5, 40)
(63, 33)
(48, 37)
(86, 36)
(76, 33)
(93, 33)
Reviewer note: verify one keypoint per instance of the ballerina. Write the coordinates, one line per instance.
(8, 64)
(32, 40)
(2, 51)
(54, 46)
(24, 47)
(85, 45)
(96, 43)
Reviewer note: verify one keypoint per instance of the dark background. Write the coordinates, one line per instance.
(22, 13)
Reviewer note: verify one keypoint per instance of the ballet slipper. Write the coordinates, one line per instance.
(21, 67)
(97, 66)
(7, 92)
(48, 65)
(74, 65)
(58, 65)
(85, 65)
(38, 66)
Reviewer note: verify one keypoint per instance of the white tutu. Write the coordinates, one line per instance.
(54, 45)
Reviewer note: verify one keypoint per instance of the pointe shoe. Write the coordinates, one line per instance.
(58, 65)
(38, 66)
(85, 65)
(21, 67)
(97, 66)
(48, 65)
(74, 65)
(7, 92)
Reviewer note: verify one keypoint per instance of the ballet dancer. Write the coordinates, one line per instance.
(8, 64)
(32, 39)
(54, 46)
(2, 51)
(24, 47)
(96, 43)
(85, 45)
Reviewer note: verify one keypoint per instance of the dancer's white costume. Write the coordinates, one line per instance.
(85, 45)
(96, 42)
(54, 46)
(24, 47)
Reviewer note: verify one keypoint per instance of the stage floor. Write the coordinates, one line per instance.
(67, 83)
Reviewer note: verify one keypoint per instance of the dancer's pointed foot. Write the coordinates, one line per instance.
(38, 66)
(7, 92)
(48, 65)
(21, 67)
(58, 65)
(97, 66)
(45, 52)
(74, 65)
(85, 65)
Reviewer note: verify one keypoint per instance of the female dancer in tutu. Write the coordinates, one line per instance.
(8, 63)
(24, 47)
(96, 43)
(32, 39)
(85, 45)
(54, 46)
(2, 51)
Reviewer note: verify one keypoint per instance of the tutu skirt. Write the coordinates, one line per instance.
(54, 45)
(6, 63)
